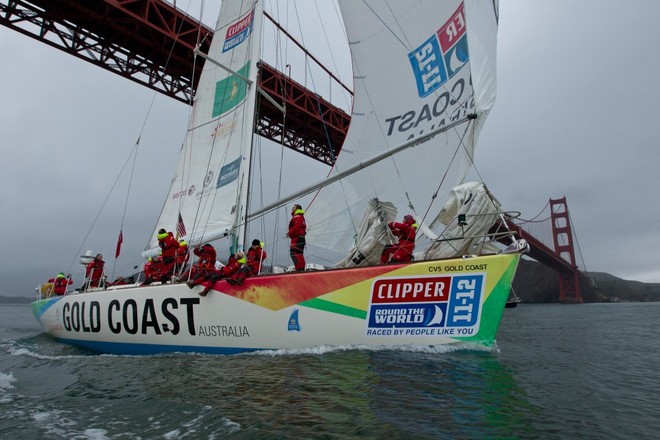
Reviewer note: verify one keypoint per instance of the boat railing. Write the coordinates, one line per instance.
(498, 231)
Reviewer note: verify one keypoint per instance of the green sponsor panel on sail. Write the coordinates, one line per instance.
(230, 91)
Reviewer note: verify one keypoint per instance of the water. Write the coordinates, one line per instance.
(560, 371)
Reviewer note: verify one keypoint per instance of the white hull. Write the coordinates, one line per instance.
(425, 303)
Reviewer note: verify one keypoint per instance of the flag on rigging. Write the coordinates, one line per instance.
(120, 240)
(180, 228)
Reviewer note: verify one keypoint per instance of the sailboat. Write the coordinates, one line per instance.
(513, 301)
(424, 83)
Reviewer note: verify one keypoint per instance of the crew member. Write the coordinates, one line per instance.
(169, 250)
(94, 271)
(297, 231)
(60, 282)
(231, 270)
(205, 263)
(151, 271)
(255, 257)
(181, 255)
(403, 250)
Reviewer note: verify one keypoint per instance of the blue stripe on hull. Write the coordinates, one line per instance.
(141, 349)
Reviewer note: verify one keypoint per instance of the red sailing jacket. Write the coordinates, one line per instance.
(232, 267)
(406, 233)
(207, 256)
(255, 258)
(169, 245)
(59, 284)
(297, 225)
(94, 271)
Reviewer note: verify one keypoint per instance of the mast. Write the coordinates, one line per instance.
(239, 233)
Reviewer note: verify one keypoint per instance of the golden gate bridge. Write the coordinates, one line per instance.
(153, 43)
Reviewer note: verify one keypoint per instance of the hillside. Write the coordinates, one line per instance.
(535, 283)
(16, 299)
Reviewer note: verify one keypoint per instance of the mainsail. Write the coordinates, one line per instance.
(209, 189)
(418, 67)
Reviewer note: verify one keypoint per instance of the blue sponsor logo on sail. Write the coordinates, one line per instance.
(228, 173)
(238, 32)
(294, 323)
(440, 57)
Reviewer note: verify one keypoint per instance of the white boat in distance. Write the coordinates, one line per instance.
(424, 79)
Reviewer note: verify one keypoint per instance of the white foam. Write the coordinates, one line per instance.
(6, 381)
(323, 349)
(95, 434)
(25, 352)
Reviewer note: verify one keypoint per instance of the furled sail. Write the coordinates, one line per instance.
(209, 190)
(418, 66)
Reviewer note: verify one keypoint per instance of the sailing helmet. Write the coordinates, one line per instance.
(61, 275)
(408, 218)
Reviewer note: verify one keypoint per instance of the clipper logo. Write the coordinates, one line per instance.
(228, 173)
(440, 57)
(238, 32)
(432, 305)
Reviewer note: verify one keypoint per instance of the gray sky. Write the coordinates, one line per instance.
(577, 115)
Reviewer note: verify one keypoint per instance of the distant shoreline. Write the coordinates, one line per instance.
(15, 300)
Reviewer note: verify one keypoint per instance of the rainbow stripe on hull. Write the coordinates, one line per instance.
(420, 303)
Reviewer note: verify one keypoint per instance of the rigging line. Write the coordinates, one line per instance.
(278, 44)
(305, 51)
(167, 62)
(361, 165)
(444, 176)
(317, 97)
(533, 219)
(98, 214)
(327, 40)
(128, 192)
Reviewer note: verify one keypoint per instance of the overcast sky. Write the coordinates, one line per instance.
(577, 115)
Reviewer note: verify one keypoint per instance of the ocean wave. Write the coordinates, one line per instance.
(324, 349)
(6, 381)
(22, 351)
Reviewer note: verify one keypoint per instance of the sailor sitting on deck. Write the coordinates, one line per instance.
(151, 271)
(230, 271)
(181, 256)
(204, 264)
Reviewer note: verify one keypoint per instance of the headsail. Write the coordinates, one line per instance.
(418, 66)
(209, 189)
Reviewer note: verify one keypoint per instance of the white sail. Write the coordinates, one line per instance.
(209, 189)
(418, 66)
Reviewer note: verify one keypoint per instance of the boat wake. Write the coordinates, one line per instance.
(325, 349)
